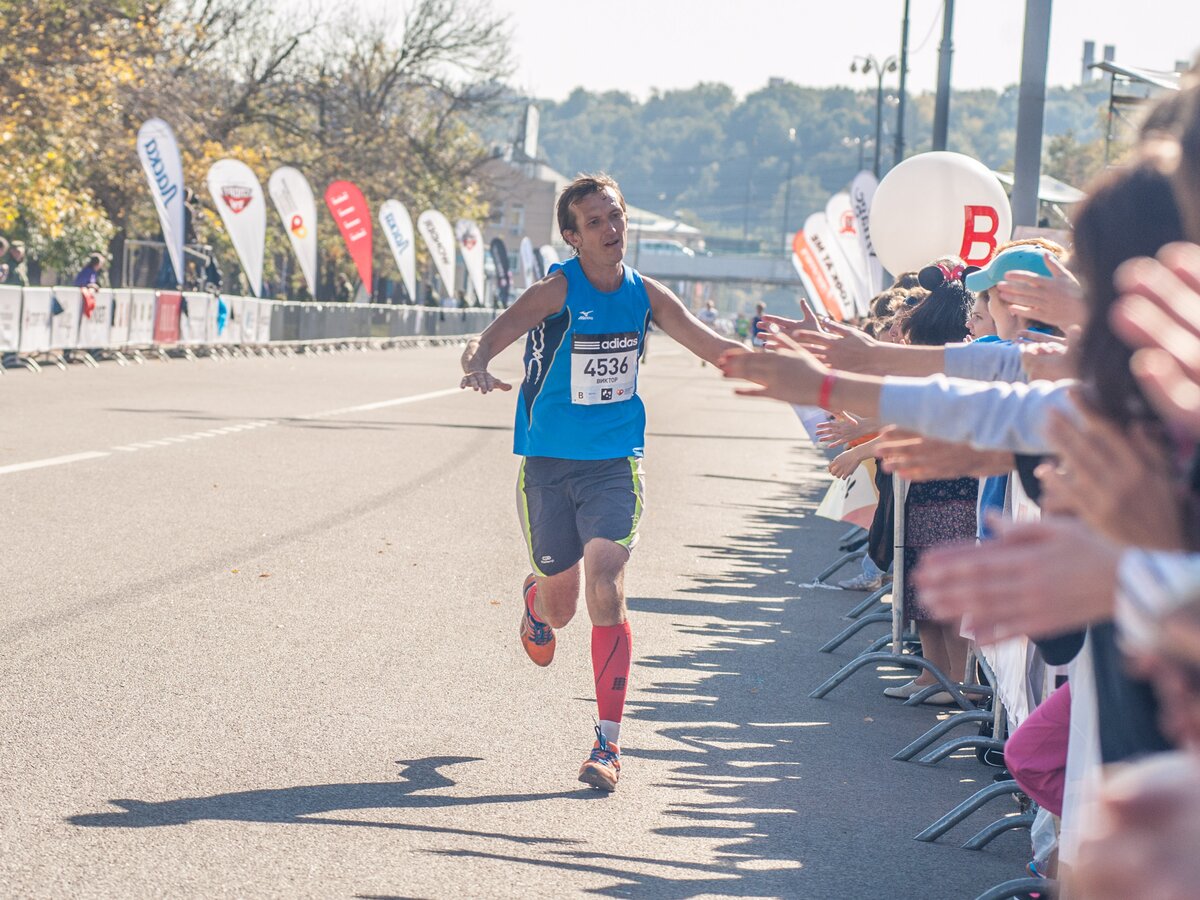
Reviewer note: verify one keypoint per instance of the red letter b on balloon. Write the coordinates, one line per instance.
(979, 244)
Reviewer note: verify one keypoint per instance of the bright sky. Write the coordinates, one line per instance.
(636, 45)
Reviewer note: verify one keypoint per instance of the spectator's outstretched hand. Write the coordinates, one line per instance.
(1159, 312)
(846, 463)
(1035, 578)
(1056, 301)
(1121, 483)
(918, 458)
(841, 347)
(1141, 836)
(843, 429)
(769, 325)
(1046, 358)
(792, 375)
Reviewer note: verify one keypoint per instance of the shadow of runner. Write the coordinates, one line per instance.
(305, 804)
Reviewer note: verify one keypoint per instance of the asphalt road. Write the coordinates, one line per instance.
(258, 638)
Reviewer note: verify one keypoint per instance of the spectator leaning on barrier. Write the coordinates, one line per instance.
(18, 266)
(3, 260)
(89, 275)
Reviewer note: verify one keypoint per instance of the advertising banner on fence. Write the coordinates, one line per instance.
(439, 238)
(66, 304)
(238, 195)
(835, 267)
(470, 245)
(398, 229)
(159, 154)
(93, 329)
(167, 309)
(10, 318)
(122, 305)
(528, 262)
(293, 199)
(812, 275)
(503, 272)
(862, 193)
(35, 319)
(852, 499)
(353, 218)
(843, 227)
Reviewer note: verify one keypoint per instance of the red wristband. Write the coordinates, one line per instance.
(823, 397)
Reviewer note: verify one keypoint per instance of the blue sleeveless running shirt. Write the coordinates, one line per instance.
(579, 398)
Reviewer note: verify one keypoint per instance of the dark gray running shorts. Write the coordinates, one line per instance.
(564, 503)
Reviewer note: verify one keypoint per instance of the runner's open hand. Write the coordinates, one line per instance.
(483, 382)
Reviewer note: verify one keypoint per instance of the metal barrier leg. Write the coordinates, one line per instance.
(854, 628)
(979, 741)
(1021, 887)
(845, 560)
(997, 828)
(861, 662)
(879, 643)
(869, 601)
(973, 803)
(943, 683)
(942, 728)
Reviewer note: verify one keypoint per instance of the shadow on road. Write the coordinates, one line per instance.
(307, 804)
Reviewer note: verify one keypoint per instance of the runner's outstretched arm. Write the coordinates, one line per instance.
(676, 320)
(544, 299)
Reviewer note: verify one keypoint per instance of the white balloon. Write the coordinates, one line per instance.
(938, 204)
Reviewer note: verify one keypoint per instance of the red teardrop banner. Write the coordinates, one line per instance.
(349, 209)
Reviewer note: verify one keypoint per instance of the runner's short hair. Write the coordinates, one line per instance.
(583, 186)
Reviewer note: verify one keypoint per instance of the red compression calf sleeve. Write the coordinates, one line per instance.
(611, 646)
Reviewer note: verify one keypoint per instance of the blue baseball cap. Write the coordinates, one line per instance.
(1014, 259)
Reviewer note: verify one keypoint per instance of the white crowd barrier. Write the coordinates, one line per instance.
(55, 322)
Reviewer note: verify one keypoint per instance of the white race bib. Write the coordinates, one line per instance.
(603, 367)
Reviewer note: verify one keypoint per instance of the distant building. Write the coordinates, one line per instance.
(522, 191)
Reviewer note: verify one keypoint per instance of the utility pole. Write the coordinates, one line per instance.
(898, 155)
(941, 109)
(1031, 107)
(787, 189)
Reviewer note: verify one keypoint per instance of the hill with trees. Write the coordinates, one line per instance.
(721, 162)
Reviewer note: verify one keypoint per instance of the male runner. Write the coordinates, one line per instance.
(580, 427)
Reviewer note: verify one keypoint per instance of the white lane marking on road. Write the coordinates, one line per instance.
(382, 404)
(262, 423)
(53, 461)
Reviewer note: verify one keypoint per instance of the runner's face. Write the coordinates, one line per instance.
(600, 228)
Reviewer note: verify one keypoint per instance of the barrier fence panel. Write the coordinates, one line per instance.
(312, 323)
(167, 309)
(10, 319)
(267, 310)
(244, 312)
(285, 322)
(194, 319)
(35, 320)
(122, 305)
(66, 306)
(44, 319)
(143, 308)
(225, 328)
(94, 327)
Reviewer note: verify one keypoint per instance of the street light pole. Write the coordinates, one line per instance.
(871, 64)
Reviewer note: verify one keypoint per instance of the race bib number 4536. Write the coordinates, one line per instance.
(603, 367)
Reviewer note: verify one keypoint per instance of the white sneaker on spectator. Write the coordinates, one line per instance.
(861, 582)
(904, 691)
